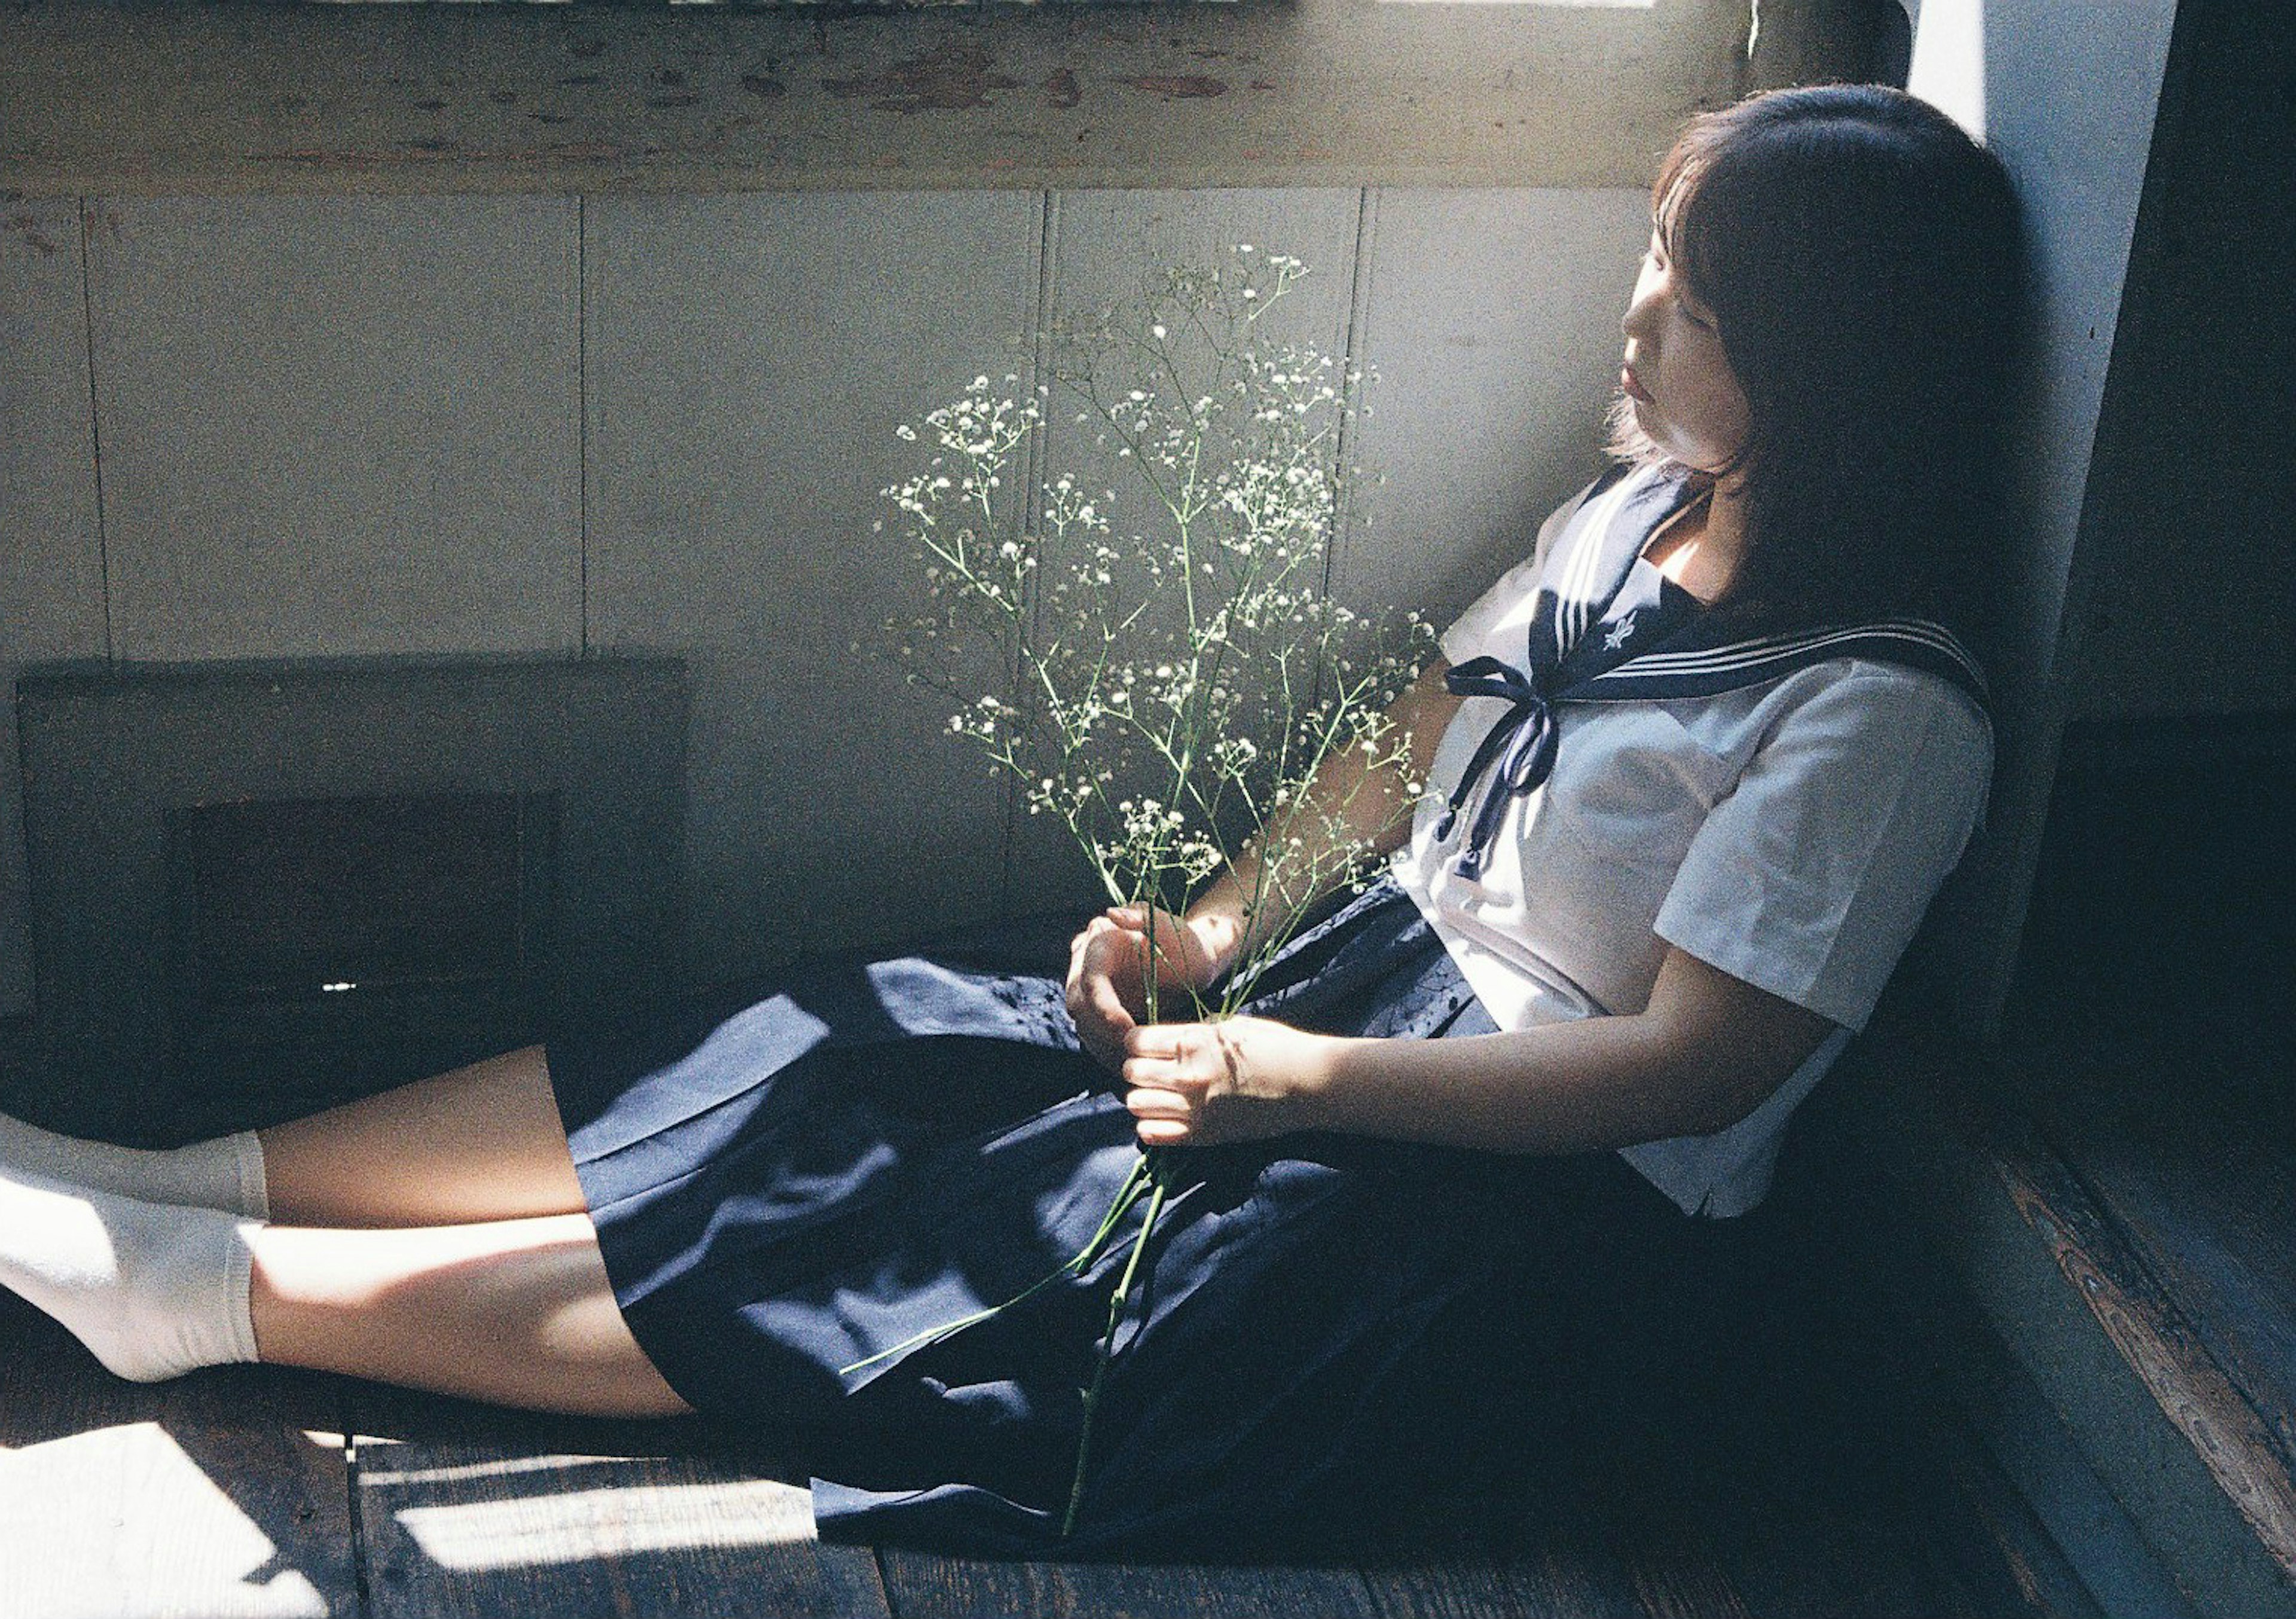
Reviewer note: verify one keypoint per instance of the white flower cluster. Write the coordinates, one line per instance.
(1167, 668)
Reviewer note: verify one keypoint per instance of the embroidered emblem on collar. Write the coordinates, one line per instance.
(1618, 636)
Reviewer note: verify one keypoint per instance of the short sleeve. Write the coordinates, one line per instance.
(1810, 876)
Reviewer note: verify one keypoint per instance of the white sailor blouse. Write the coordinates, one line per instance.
(1628, 772)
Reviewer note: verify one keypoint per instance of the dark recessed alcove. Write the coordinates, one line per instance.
(2162, 927)
(258, 890)
(285, 900)
(2151, 1027)
(306, 933)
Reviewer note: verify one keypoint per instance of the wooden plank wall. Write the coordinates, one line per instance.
(337, 429)
(293, 426)
(51, 541)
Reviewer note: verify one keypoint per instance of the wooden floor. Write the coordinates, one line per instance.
(259, 1491)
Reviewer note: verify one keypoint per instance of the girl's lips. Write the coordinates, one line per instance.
(1633, 385)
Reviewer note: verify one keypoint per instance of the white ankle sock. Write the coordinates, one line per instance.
(226, 1173)
(152, 1289)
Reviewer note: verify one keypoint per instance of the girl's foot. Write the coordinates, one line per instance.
(152, 1289)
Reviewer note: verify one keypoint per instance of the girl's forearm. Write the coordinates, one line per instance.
(1589, 1085)
(1707, 1050)
(1245, 902)
(1349, 805)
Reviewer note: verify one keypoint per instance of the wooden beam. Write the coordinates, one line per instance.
(2239, 1446)
(220, 97)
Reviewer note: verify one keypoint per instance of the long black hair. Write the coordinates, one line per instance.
(1862, 258)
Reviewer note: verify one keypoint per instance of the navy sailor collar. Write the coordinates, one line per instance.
(1607, 626)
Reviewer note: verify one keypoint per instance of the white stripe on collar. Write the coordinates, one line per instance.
(1752, 653)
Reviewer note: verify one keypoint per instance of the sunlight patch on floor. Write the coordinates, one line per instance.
(71, 1550)
(501, 1467)
(579, 1525)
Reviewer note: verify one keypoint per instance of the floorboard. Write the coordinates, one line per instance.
(1813, 1490)
(922, 1586)
(222, 1495)
(1567, 1565)
(466, 1510)
(2204, 1187)
(1678, 1575)
(1463, 1587)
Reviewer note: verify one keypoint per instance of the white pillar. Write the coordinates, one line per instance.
(2067, 94)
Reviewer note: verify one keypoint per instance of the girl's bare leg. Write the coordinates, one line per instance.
(476, 1144)
(516, 1312)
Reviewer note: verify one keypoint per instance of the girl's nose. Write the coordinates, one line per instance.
(1636, 322)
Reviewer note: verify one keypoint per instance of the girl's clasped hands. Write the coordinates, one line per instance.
(1187, 1083)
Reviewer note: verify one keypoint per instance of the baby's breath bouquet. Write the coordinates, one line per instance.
(1129, 570)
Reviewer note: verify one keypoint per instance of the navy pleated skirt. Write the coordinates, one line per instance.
(785, 1189)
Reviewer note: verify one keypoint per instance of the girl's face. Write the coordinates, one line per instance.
(1685, 397)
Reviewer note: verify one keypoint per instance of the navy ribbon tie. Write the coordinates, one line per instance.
(1593, 600)
(1522, 744)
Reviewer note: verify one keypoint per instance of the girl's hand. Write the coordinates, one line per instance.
(1236, 1080)
(1108, 971)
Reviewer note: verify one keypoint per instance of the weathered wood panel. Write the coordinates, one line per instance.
(470, 1510)
(339, 426)
(222, 1495)
(1491, 333)
(2212, 1219)
(516, 98)
(749, 361)
(2239, 1448)
(1110, 251)
(51, 533)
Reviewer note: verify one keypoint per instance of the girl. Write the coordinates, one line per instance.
(1698, 766)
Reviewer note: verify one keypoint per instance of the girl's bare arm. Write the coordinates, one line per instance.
(1705, 1052)
(1346, 803)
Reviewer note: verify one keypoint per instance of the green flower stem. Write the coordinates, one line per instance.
(1128, 1194)
(1108, 1348)
(1168, 699)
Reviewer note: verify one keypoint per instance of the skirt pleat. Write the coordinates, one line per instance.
(791, 1192)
